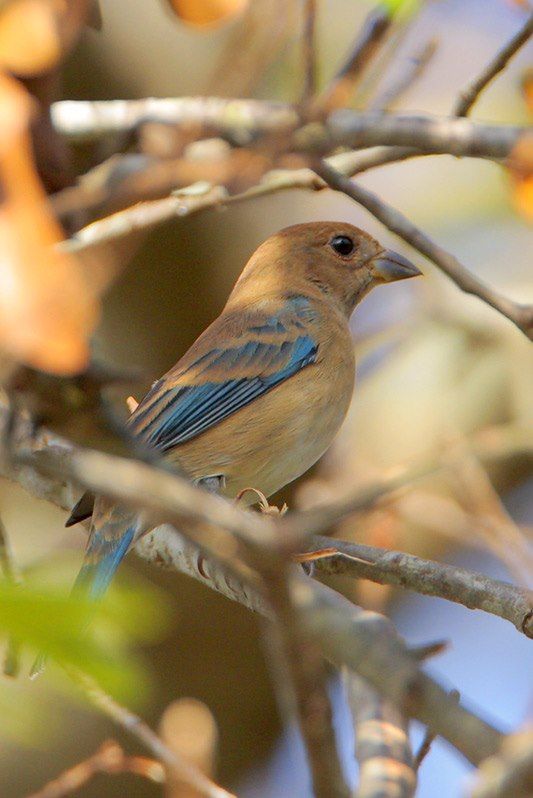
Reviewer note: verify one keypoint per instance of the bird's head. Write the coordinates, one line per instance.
(338, 260)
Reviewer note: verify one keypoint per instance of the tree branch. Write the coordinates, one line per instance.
(367, 42)
(469, 95)
(520, 315)
(243, 122)
(435, 134)
(471, 589)
(365, 642)
(382, 743)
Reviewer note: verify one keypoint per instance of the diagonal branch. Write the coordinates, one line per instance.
(368, 40)
(520, 315)
(135, 726)
(469, 95)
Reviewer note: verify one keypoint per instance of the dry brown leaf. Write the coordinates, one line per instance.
(29, 36)
(47, 307)
(206, 12)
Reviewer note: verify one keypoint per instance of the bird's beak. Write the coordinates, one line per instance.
(389, 266)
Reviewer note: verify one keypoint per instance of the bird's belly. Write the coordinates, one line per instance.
(273, 440)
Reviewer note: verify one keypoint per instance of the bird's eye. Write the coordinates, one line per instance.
(343, 245)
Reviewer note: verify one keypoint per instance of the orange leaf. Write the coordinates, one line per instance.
(29, 36)
(47, 307)
(523, 197)
(206, 12)
(527, 88)
(520, 164)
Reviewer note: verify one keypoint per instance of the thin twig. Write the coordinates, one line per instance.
(473, 590)
(337, 94)
(109, 759)
(135, 726)
(381, 743)
(429, 738)
(470, 94)
(309, 50)
(520, 315)
(146, 215)
(416, 65)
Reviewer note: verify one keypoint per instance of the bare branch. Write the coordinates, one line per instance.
(471, 589)
(368, 644)
(181, 204)
(460, 137)
(521, 315)
(243, 122)
(469, 95)
(368, 40)
(381, 743)
(133, 724)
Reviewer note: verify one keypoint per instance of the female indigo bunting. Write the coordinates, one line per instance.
(259, 396)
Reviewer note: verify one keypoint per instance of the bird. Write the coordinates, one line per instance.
(260, 395)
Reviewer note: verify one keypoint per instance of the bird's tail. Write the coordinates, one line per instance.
(102, 558)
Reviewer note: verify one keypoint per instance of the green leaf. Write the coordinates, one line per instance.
(402, 9)
(94, 638)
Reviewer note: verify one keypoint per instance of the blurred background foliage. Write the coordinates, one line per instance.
(441, 379)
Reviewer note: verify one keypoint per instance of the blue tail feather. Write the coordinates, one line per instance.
(102, 560)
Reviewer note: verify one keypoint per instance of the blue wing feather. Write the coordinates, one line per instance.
(273, 350)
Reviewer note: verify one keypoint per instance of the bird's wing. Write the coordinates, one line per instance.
(238, 359)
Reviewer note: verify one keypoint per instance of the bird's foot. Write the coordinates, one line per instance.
(264, 506)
